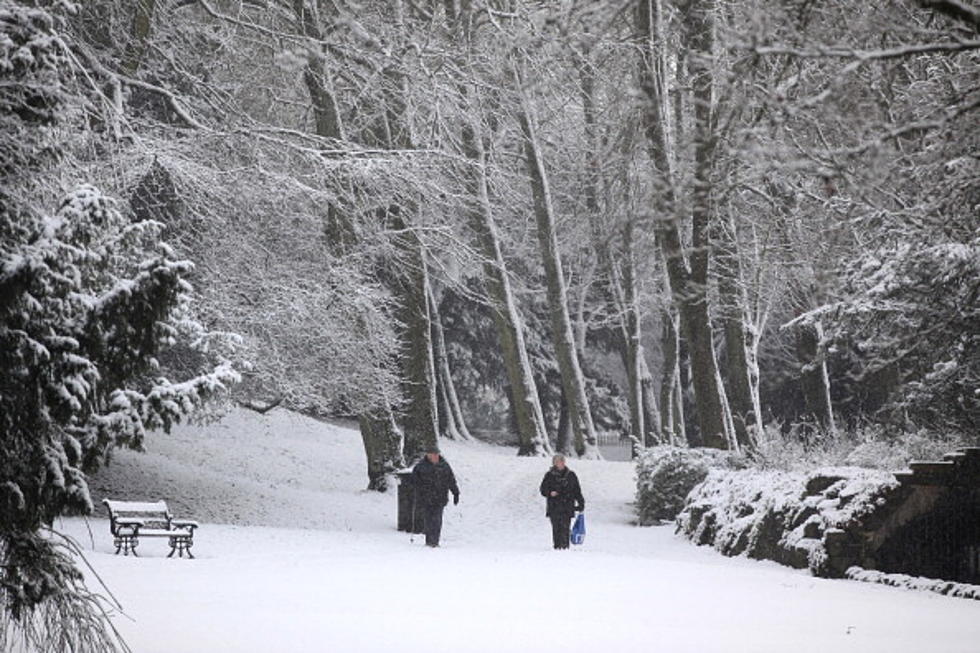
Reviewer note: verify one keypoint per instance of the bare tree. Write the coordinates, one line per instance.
(573, 382)
(688, 273)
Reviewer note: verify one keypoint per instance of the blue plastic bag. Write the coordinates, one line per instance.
(578, 529)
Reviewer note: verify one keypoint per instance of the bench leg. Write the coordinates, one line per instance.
(179, 546)
(126, 544)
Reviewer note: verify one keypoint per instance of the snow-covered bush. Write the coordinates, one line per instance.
(665, 475)
(876, 450)
(872, 447)
(782, 516)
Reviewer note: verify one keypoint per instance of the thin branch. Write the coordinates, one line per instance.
(172, 99)
(910, 129)
(955, 9)
(828, 52)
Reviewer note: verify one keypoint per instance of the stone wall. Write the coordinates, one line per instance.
(920, 522)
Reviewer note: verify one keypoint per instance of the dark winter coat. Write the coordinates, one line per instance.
(434, 482)
(569, 498)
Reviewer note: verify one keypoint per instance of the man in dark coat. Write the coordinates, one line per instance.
(561, 487)
(434, 480)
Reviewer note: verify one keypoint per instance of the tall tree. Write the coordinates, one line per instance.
(525, 403)
(573, 382)
(619, 283)
(452, 422)
(688, 273)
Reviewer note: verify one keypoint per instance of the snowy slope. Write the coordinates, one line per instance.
(305, 560)
(280, 469)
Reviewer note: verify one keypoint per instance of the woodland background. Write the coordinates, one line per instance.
(744, 225)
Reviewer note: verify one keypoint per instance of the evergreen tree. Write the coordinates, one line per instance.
(88, 301)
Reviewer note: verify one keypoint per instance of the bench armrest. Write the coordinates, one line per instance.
(184, 523)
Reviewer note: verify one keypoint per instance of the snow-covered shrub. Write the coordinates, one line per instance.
(782, 516)
(665, 475)
(876, 450)
(872, 447)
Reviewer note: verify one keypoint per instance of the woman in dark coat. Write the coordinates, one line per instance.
(561, 488)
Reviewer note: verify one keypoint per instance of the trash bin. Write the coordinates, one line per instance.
(408, 519)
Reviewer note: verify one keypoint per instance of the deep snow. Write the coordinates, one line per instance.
(304, 560)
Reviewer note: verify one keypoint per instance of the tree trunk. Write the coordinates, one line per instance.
(326, 117)
(449, 400)
(654, 434)
(668, 374)
(419, 412)
(686, 393)
(688, 284)
(742, 388)
(708, 399)
(383, 445)
(139, 35)
(573, 382)
(563, 439)
(680, 412)
(411, 281)
(531, 431)
(446, 419)
(644, 404)
(671, 403)
(316, 76)
(813, 374)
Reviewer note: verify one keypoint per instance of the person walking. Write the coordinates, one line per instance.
(434, 480)
(561, 488)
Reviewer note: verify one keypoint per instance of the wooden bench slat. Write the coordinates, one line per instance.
(160, 532)
(136, 506)
(130, 520)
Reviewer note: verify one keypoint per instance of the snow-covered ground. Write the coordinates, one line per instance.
(294, 556)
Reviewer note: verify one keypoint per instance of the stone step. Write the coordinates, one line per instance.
(972, 453)
(930, 472)
(905, 477)
(969, 463)
(931, 465)
(956, 456)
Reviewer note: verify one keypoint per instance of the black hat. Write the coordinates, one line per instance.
(432, 449)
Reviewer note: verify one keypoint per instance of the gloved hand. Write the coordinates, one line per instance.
(456, 499)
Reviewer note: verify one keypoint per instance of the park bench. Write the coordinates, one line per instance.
(131, 520)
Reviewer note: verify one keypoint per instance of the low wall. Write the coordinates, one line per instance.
(921, 522)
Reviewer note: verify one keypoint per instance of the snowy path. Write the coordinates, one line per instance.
(353, 583)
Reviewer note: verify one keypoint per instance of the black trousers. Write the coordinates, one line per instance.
(432, 516)
(561, 526)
